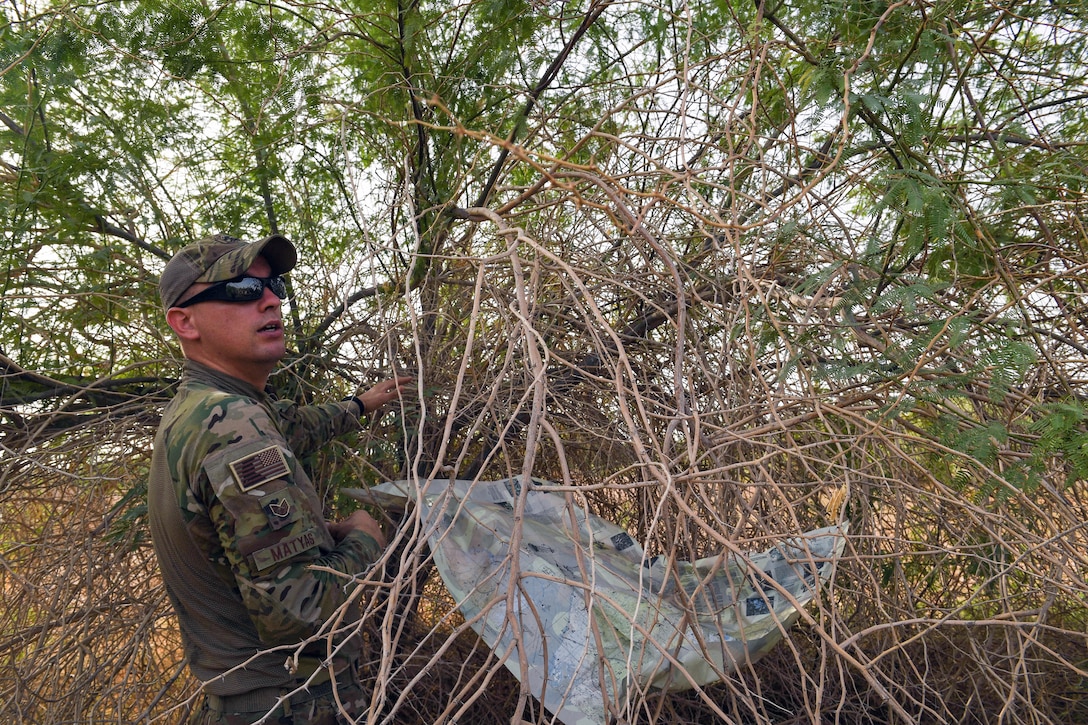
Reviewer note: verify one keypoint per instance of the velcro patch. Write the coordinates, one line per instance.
(258, 468)
(285, 549)
(280, 509)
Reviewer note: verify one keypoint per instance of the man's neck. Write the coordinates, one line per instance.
(257, 382)
(255, 375)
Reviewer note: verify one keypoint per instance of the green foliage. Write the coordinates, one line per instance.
(762, 250)
(1007, 362)
(128, 525)
(1063, 437)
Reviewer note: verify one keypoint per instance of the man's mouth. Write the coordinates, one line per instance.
(271, 327)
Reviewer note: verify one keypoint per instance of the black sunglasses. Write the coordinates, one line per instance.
(240, 289)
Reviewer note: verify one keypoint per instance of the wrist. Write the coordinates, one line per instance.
(358, 403)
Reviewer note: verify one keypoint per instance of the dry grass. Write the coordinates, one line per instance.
(948, 606)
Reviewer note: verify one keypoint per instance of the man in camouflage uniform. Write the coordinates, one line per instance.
(236, 523)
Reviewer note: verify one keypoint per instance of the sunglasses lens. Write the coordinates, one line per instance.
(248, 289)
(278, 285)
(244, 289)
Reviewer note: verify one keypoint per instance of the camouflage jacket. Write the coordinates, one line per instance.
(237, 527)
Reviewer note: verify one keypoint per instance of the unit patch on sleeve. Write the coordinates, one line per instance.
(258, 468)
(280, 508)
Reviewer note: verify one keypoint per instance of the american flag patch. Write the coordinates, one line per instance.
(258, 468)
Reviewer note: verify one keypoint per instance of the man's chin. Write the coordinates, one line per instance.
(273, 352)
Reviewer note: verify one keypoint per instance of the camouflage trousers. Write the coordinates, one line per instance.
(317, 707)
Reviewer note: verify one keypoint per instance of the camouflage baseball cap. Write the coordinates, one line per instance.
(221, 257)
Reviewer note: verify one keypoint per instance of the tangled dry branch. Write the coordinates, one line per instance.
(751, 293)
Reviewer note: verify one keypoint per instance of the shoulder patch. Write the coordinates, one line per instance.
(281, 509)
(258, 468)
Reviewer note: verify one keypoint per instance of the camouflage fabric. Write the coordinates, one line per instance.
(237, 525)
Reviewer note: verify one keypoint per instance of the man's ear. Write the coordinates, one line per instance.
(182, 323)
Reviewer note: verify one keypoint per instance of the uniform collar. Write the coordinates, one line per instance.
(201, 373)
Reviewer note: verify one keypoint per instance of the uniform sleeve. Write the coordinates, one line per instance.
(268, 522)
(308, 427)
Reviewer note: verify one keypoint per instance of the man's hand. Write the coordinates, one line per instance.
(358, 521)
(383, 392)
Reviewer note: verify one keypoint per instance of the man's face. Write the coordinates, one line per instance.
(243, 339)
